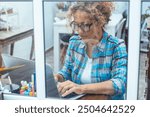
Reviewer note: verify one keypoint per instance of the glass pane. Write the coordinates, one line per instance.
(144, 85)
(58, 33)
(17, 48)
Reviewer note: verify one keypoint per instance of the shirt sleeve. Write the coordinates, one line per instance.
(67, 67)
(119, 69)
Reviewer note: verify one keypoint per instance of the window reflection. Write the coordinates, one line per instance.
(144, 74)
(17, 48)
(58, 31)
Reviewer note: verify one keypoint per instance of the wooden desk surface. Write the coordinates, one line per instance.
(8, 34)
(15, 35)
(94, 97)
(10, 37)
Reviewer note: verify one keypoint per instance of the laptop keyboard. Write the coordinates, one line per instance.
(70, 95)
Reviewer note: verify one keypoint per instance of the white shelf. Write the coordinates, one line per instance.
(11, 14)
(144, 50)
(145, 40)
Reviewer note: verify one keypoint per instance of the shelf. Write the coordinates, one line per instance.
(6, 11)
(11, 14)
(145, 40)
(144, 50)
(61, 15)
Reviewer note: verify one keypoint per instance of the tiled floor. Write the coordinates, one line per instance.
(142, 72)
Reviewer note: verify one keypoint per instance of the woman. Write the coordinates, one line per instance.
(96, 62)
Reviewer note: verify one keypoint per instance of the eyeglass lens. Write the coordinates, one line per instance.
(84, 27)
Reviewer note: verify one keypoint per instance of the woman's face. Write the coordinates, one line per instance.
(84, 25)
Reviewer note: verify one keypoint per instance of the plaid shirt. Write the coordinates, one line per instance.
(109, 62)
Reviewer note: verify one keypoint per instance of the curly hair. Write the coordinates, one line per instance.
(99, 11)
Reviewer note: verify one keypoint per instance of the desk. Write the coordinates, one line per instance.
(94, 97)
(10, 37)
(62, 27)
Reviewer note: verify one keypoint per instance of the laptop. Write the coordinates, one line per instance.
(25, 72)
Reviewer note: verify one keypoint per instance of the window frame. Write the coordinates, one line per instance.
(133, 53)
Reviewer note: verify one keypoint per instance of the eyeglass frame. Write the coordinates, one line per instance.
(81, 26)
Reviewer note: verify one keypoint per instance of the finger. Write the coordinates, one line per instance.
(59, 86)
(68, 92)
(62, 85)
(56, 77)
(63, 88)
(67, 87)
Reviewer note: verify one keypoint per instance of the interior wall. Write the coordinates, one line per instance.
(145, 7)
(25, 18)
(49, 13)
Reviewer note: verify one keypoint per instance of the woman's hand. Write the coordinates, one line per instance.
(68, 87)
(58, 78)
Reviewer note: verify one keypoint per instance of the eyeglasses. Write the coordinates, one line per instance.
(82, 26)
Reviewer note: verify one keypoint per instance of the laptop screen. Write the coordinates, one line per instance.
(24, 73)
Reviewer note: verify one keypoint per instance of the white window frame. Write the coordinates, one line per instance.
(133, 49)
(39, 48)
